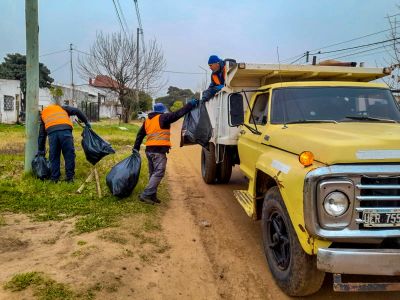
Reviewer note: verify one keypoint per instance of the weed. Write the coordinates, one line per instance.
(2, 221)
(45, 201)
(114, 237)
(20, 282)
(81, 243)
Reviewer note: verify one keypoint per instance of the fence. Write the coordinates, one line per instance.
(91, 110)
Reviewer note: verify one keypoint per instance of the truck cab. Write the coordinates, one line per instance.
(320, 148)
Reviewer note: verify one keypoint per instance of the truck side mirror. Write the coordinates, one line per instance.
(236, 111)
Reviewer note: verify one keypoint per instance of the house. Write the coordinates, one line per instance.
(95, 101)
(10, 98)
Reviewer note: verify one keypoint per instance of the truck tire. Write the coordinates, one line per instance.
(208, 164)
(224, 168)
(293, 269)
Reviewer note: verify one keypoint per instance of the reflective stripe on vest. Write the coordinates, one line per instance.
(216, 79)
(55, 115)
(156, 136)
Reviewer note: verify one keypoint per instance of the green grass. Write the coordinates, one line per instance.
(44, 200)
(43, 287)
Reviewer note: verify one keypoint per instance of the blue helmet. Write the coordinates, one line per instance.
(213, 59)
(159, 108)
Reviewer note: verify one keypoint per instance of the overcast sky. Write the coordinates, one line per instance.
(189, 31)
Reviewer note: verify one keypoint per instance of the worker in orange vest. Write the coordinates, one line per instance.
(55, 122)
(157, 129)
(217, 67)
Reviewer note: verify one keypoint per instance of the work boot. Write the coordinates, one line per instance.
(155, 199)
(69, 180)
(146, 200)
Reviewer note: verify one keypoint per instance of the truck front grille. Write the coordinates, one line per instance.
(378, 193)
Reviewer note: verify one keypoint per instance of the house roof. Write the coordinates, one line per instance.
(103, 81)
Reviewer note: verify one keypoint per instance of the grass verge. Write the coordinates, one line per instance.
(44, 200)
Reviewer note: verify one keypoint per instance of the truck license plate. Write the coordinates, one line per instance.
(381, 219)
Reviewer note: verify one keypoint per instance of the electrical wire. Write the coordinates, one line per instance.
(357, 47)
(140, 23)
(55, 52)
(122, 15)
(119, 19)
(60, 67)
(344, 42)
(355, 53)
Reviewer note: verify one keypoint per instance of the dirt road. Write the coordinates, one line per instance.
(231, 246)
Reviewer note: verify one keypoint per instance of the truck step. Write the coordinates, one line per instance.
(246, 201)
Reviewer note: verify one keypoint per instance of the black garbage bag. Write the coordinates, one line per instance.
(196, 127)
(95, 147)
(123, 177)
(41, 167)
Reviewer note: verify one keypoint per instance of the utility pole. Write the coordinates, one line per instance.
(32, 82)
(72, 73)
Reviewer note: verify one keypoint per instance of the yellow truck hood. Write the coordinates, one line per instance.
(346, 142)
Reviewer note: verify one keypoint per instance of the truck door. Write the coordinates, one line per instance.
(251, 134)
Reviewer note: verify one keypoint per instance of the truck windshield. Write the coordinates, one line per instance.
(341, 104)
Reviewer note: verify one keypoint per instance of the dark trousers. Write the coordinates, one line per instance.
(157, 166)
(62, 141)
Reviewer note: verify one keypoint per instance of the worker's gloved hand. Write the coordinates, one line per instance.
(219, 87)
(41, 153)
(194, 102)
(88, 125)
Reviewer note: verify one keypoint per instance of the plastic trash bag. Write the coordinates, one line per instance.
(41, 167)
(123, 177)
(196, 127)
(95, 147)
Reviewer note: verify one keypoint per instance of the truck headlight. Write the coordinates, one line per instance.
(336, 203)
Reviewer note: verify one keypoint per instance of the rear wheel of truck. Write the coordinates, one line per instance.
(208, 164)
(224, 168)
(293, 269)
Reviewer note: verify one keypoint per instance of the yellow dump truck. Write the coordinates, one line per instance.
(320, 146)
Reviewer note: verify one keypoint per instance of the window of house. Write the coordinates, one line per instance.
(8, 103)
(260, 110)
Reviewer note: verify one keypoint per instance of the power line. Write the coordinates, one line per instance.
(60, 67)
(356, 47)
(55, 52)
(344, 42)
(139, 22)
(122, 15)
(355, 53)
(119, 19)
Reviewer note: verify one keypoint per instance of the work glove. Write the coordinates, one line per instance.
(41, 153)
(88, 125)
(194, 102)
(219, 87)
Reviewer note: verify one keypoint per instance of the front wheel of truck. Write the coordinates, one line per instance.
(293, 269)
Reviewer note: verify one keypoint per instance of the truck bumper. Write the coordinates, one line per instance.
(359, 261)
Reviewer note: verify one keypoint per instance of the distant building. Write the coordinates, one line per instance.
(10, 98)
(95, 102)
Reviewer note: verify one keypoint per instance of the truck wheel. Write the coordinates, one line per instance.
(224, 169)
(208, 164)
(294, 270)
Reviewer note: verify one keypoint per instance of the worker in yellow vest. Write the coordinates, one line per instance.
(157, 129)
(55, 122)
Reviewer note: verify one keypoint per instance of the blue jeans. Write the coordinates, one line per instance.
(62, 141)
(157, 166)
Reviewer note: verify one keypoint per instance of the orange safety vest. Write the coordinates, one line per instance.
(156, 136)
(216, 79)
(55, 115)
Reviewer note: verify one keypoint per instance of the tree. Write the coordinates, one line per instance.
(175, 94)
(394, 53)
(177, 105)
(14, 67)
(114, 55)
(56, 93)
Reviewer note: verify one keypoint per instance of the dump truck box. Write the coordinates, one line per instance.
(250, 77)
